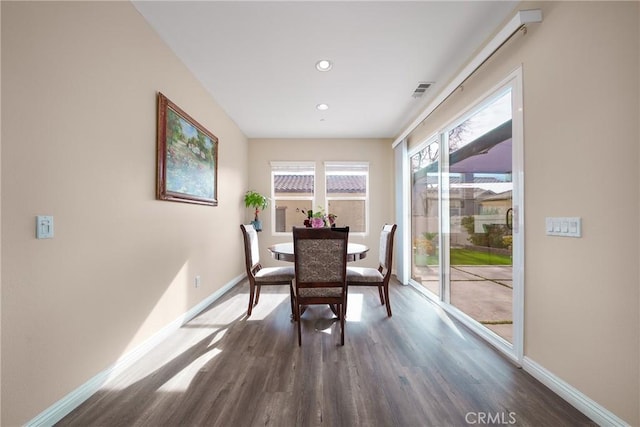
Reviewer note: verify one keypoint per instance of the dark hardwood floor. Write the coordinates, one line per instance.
(417, 368)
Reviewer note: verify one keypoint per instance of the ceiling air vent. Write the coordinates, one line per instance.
(421, 89)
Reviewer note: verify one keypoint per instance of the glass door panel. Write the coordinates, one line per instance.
(425, 261)
(480, 216)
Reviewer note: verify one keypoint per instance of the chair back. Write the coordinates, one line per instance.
(320, 257)
(251, 247)
(386, 245)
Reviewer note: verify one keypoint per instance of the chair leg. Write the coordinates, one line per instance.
(292, 299)
(335, 310)
(346, 298)
(386, 294)
(381, 297)
(341, 308)
(251, 292)
(257, 294)
(299, 324)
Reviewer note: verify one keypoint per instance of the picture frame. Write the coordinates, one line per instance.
(187, 157)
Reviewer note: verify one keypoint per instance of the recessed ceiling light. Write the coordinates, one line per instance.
(323, 65)
(322, 107)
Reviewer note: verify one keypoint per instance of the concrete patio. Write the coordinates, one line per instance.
(483, 292)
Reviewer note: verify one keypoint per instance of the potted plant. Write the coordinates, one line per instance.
(424, 247)
(255, 200)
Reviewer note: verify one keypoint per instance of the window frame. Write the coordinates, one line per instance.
(513, 82)
(290, 167)
(366, 172)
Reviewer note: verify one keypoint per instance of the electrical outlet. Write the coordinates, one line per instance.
(197, 281)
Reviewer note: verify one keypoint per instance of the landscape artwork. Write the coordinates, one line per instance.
(187, 157)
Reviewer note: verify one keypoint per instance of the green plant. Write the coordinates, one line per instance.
(425, 243)
(253, 199)
(493, 236)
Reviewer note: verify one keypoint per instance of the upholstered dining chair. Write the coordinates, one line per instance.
(320, 270)
(260, 276)
(363, 276)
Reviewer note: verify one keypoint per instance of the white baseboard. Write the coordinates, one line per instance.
(579, 400)
(64, 406)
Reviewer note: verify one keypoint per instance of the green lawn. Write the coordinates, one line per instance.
(469, 257)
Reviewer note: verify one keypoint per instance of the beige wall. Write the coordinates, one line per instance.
(0, 223)
(377, 152)
(78, 134)
(581, 85)
(79, 84)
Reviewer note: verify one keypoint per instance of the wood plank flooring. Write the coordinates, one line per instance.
(418, 368)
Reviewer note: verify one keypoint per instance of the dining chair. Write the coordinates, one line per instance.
(260, 276)
(320, 260)
(365, 276)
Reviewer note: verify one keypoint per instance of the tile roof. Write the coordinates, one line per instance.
(335, 183)
(293, 183)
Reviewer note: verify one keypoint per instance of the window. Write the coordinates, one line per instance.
(292, 193)
(425, 211)
(347, 194)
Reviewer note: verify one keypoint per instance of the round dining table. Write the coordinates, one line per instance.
(284, 251)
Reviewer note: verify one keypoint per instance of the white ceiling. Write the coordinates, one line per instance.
(257, 58)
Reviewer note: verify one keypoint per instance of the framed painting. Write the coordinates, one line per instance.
(187, 157)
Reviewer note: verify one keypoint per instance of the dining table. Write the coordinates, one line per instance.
(284, 251)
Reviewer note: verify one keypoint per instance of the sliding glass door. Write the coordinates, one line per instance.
(480, 192)
(466, 201)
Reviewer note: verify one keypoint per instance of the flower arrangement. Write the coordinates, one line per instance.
(319, 219)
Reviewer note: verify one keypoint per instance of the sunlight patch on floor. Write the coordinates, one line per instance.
(211, 325)
(447, 321)
(326, 325)
(266, 305)
(218, 337)
(354, 307)
(179, 342)
(354, 314)
(181, 381)
(232, 310)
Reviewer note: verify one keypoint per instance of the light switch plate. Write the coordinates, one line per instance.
(44, 227)
(564, 226)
